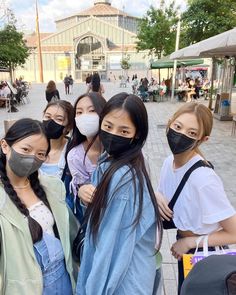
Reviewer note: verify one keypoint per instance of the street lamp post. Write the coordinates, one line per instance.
(175, 61)
(123, 38)
(40, 62)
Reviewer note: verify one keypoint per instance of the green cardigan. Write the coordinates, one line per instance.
(19, 271)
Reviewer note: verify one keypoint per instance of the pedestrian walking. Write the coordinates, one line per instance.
(202, 207)
(119, 246)
(96, 85)
(52, 94)
(134, 84)
(67, 84)
(71, 84)
(34, 221)
(84, 149)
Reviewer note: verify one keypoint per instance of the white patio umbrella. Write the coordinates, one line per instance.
(221, 45)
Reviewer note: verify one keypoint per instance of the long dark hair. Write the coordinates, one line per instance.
(77, 138)
(19, 130)
(51, 87)
(133, 158)
(95, 82)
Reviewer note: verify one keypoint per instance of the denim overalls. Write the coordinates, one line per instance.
(50, 257)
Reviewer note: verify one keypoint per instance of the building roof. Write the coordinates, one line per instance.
(31, 40)
(100, 8)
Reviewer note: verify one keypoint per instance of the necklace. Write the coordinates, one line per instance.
(24, 186)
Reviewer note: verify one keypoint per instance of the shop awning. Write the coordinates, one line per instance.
(165, 64)
(220, 45)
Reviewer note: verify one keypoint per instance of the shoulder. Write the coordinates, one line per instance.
(205, 177)
(77, 151)
(122, 179)
(53, 187)
(168, 162)
(104, 164)
(122, 172)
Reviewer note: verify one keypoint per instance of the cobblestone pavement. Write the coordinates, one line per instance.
(220, 150)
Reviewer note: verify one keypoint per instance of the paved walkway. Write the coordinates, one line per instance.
(220, 150)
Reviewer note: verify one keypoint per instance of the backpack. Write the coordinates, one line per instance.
(214, 275)
(54, 98)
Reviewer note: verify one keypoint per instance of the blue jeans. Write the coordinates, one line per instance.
(50, 257)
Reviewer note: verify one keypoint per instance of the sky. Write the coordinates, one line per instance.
(51, 10)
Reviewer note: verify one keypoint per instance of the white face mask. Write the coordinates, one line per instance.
(88, 124)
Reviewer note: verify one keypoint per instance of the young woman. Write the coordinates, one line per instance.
(119, 247)
(34, 221)
(202, 207)
(51, 92)
(58, 120)
(85, 147)
(96, 85)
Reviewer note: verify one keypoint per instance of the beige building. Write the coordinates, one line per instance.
(92, 40)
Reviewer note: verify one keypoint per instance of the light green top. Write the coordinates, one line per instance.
(19, 271)
(158, 260)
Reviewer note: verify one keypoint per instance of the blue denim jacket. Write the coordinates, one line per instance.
(122, 261)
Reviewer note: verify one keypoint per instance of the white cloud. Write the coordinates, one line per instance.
(50, 10)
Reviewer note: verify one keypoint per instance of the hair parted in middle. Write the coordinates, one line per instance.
(132, 158)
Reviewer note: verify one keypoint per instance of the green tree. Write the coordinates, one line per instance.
(13, 49)
(157, 30)
(206, 18)
(124, 63)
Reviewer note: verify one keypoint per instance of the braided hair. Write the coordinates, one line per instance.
(19, 130)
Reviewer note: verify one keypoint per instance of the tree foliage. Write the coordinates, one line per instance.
(13, 49)
(206, 18)
(124, 63)
(157, 30)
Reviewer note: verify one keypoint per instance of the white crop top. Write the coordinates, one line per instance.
(202, 204)
(43, 216)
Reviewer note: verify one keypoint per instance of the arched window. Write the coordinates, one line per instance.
(89, 45)
(90, 55)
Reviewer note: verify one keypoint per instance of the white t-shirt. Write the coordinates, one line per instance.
(202, 203)
(5, 92)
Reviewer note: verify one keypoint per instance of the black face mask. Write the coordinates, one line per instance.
(179, 142)
(114, 145)
(53, 129)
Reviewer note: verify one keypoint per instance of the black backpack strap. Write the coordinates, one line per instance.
(66, 168)
(198, 164)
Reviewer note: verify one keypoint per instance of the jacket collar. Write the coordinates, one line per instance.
(11, 213)
(58, 207)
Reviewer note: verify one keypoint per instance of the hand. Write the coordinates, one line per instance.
(85, 193)
(165, 211)
(182, 246)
